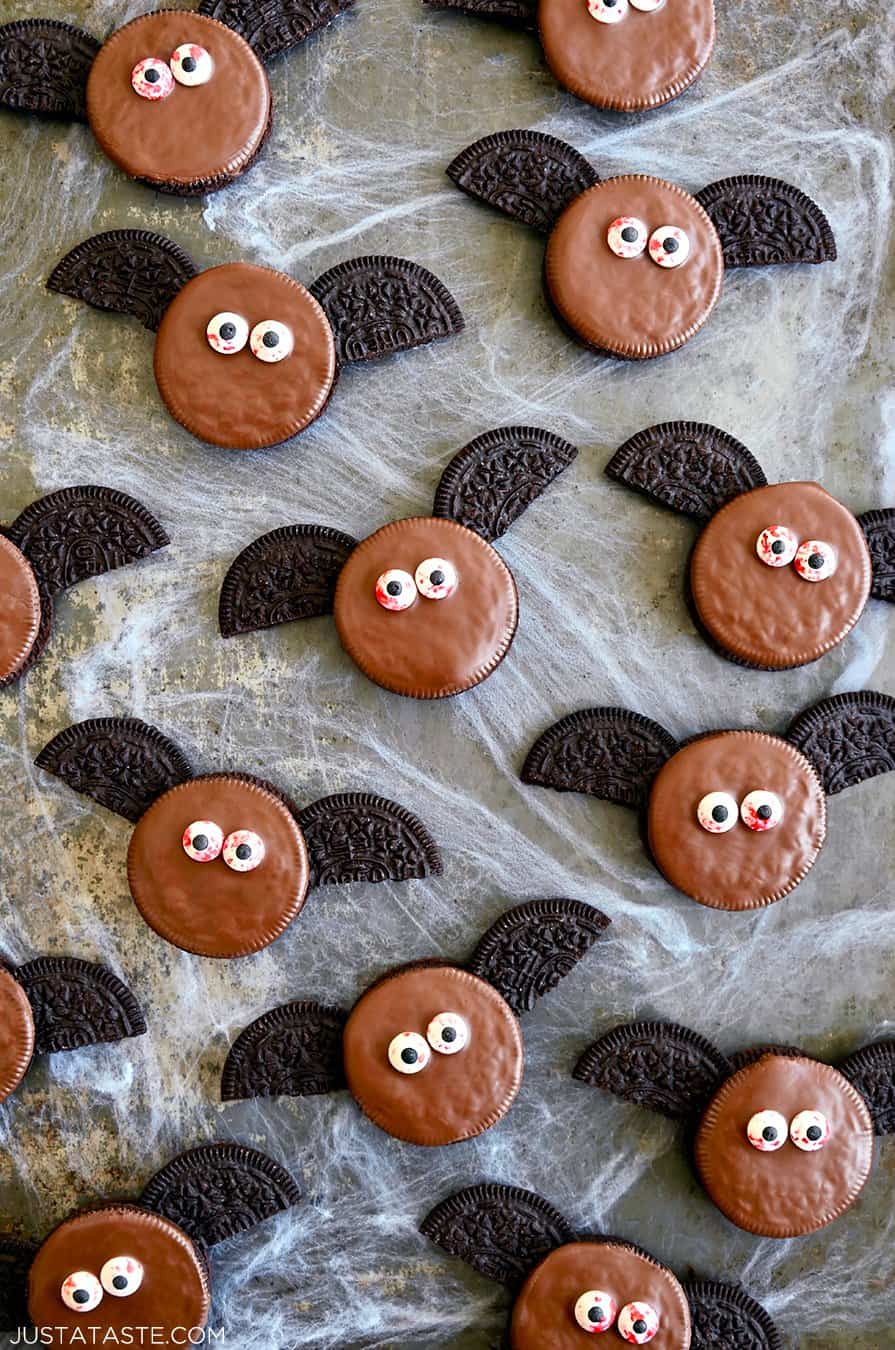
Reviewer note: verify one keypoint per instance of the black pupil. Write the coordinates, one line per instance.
(610, 4)
(778, 546)
(640, 1326)
(670, 245)
(188, 64)
(436, 577)
(228, 331)
(81, 1296)
(816, 561)
(764, 813)
(595, 1314)
(409, 1056)
(629, 234)
(394, 588)
(814, 1132)
(719, 813)
(120, 1282)
(448, 1034)
(271, 339)
(200, 842)
(769, 1134)
(151, 77)
(243, 851)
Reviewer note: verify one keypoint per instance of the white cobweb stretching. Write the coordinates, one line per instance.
(794, 363)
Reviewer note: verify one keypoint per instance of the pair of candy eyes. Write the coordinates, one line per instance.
(718, 812)
(435, 579)
(269, 340)
(638, 1323)
(446, 1034)
(668, 246)
(767, 1131)
(120, 1277)
(814, 559)
(613, 11)
(155, 79)
(203, 841)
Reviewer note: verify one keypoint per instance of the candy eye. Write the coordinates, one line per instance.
(767, 1131)
(271, 341)
(627, 237)
(448, 1033)
(717, 812)
(395, 589)
(776, 546)
(809, 1131)
(607, 11)
(243, 850)
(408, 1052)
(669, 246)
(152, 79)
(436, 578)
(191, 64)
(815, 560)
(595, 1311)
(203, 840)
(761, 810)
(122, 1276)
(227, 333)
(82, 1292)
(638, 1323)
(648, 6)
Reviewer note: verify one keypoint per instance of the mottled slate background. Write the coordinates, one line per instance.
(795, 362)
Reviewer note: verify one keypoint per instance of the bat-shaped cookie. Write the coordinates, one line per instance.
(634, 264)
(626, 55)
(245, 357)
(123, 1265)
(425, 606)
(64, 538)
(782, 1142)
(566, 1287)
(760, 544)
(177, 99)
(56, 1003)
(432, 1052)
(220, 864)
(734, 819)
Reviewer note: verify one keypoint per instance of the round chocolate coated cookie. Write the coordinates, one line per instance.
(217, 907)
(19, 610)
(729, 863)
(16, 1034)
(236, 399)
(544, 1311)
(133, 1269)
(456, 1095)
(644, 59)
(771, 613)
(631, 305)
(787, 1190)
(179, 135)
(438, 644)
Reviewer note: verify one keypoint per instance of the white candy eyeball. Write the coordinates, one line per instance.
(595, 1311)
(647, 6)
(203, 841)
(122, 1276)
(767, 1131)
(191, 64)
(638, 1323)
(627, 237)
(436, 578)
(607, 11)
(669, 246)
(82, 1292)
(761, 810)
(717, 812)
(271, 341)
(152, 79)
(243, 850)
(227, 333)
(815, 560)
(448, 1033)
(809, 1130)
(395, 589)
(776, 546)
(408, 1052)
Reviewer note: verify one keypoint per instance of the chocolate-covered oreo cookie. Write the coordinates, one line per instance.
(735, 819)
(783, 1142)
(177, 99)
(246, 357)
(564, 1288)
(221, 864)
(432, 1052)
(634, 265)
(780, 574)
(425, 607)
